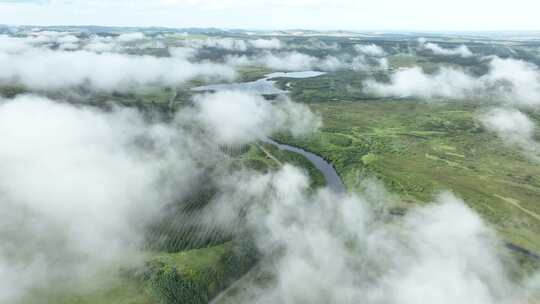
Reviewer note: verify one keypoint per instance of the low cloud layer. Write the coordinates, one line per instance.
(79, 184)
(296, 61)
(45, 69)
(329, 248)
(514, 128)
(272, 43)
(232, 44)
(510, 80)
(413, 82)
(370, 50)
(238, 118)
(76, 189)
(462, 50)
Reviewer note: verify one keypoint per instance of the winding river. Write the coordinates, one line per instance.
(267, 86)
(264, 86)
(333, 181)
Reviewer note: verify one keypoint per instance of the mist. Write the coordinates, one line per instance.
(515, 129)
(370, 49)
(77, 190)
(297, 61)
(325, 247)
(45, 69)
(237, 45)
(462, 50)
(508, 80)
(240, 118)
(80, 184)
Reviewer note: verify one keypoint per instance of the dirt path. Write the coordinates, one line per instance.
(269, 155)
(516, 204)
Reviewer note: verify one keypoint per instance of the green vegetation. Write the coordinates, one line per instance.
(419, 149)
(193, 276)
(416, 148)
(197, 276)
(10, 91)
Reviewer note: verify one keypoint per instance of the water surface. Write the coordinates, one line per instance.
(264, 86)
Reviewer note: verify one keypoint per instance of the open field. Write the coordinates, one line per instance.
(419, 149)
(415, 146)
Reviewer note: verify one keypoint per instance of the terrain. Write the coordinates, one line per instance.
(416, 146)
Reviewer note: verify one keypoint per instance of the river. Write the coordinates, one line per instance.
(264, 86)
(267, 86)
(333, 180)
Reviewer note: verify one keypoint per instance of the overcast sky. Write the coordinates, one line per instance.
(424, 15)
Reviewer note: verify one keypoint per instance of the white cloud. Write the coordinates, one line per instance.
(370, 50)
(413, 82)
(296, 61)
(514, 128)
(79, 185)
(330, 248)
(128, 37)
(100, 47)
(12, 45)
(230, 44)
(68, 39)
(68, 46)
(461, 50)
(519, 80)
(46, 69)
(76, 189)
(239, 118)
(510, 80)
(273, 43)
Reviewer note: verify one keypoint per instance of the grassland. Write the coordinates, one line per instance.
(419, 149)
(189, 267)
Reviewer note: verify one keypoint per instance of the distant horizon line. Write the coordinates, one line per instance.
(358, 31)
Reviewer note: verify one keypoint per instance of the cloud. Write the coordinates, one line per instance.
(514, 128)
(79, 185)
(370, 50)
(65, 40)
(122, 42)
(77, 188)
(413, 82)
(129, 37)
(45, 69)
(90, 179)
(229, 44)
(510, 80)
(239, 118)
(517, 80)
(100, 47)
(273, 43)
(296, 61)
(12, 45)
(462, 50)
(233, 44)
(289, 61)
(324, 247)
(68, 39)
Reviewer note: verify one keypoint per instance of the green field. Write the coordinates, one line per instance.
(419, 149)
(416, 148)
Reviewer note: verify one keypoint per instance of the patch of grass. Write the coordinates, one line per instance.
(419, 149)
(196, 276)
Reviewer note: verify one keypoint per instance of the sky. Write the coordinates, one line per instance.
(390, 15)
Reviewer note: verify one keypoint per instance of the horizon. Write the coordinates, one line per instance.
(320, 15)
(268, 30)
